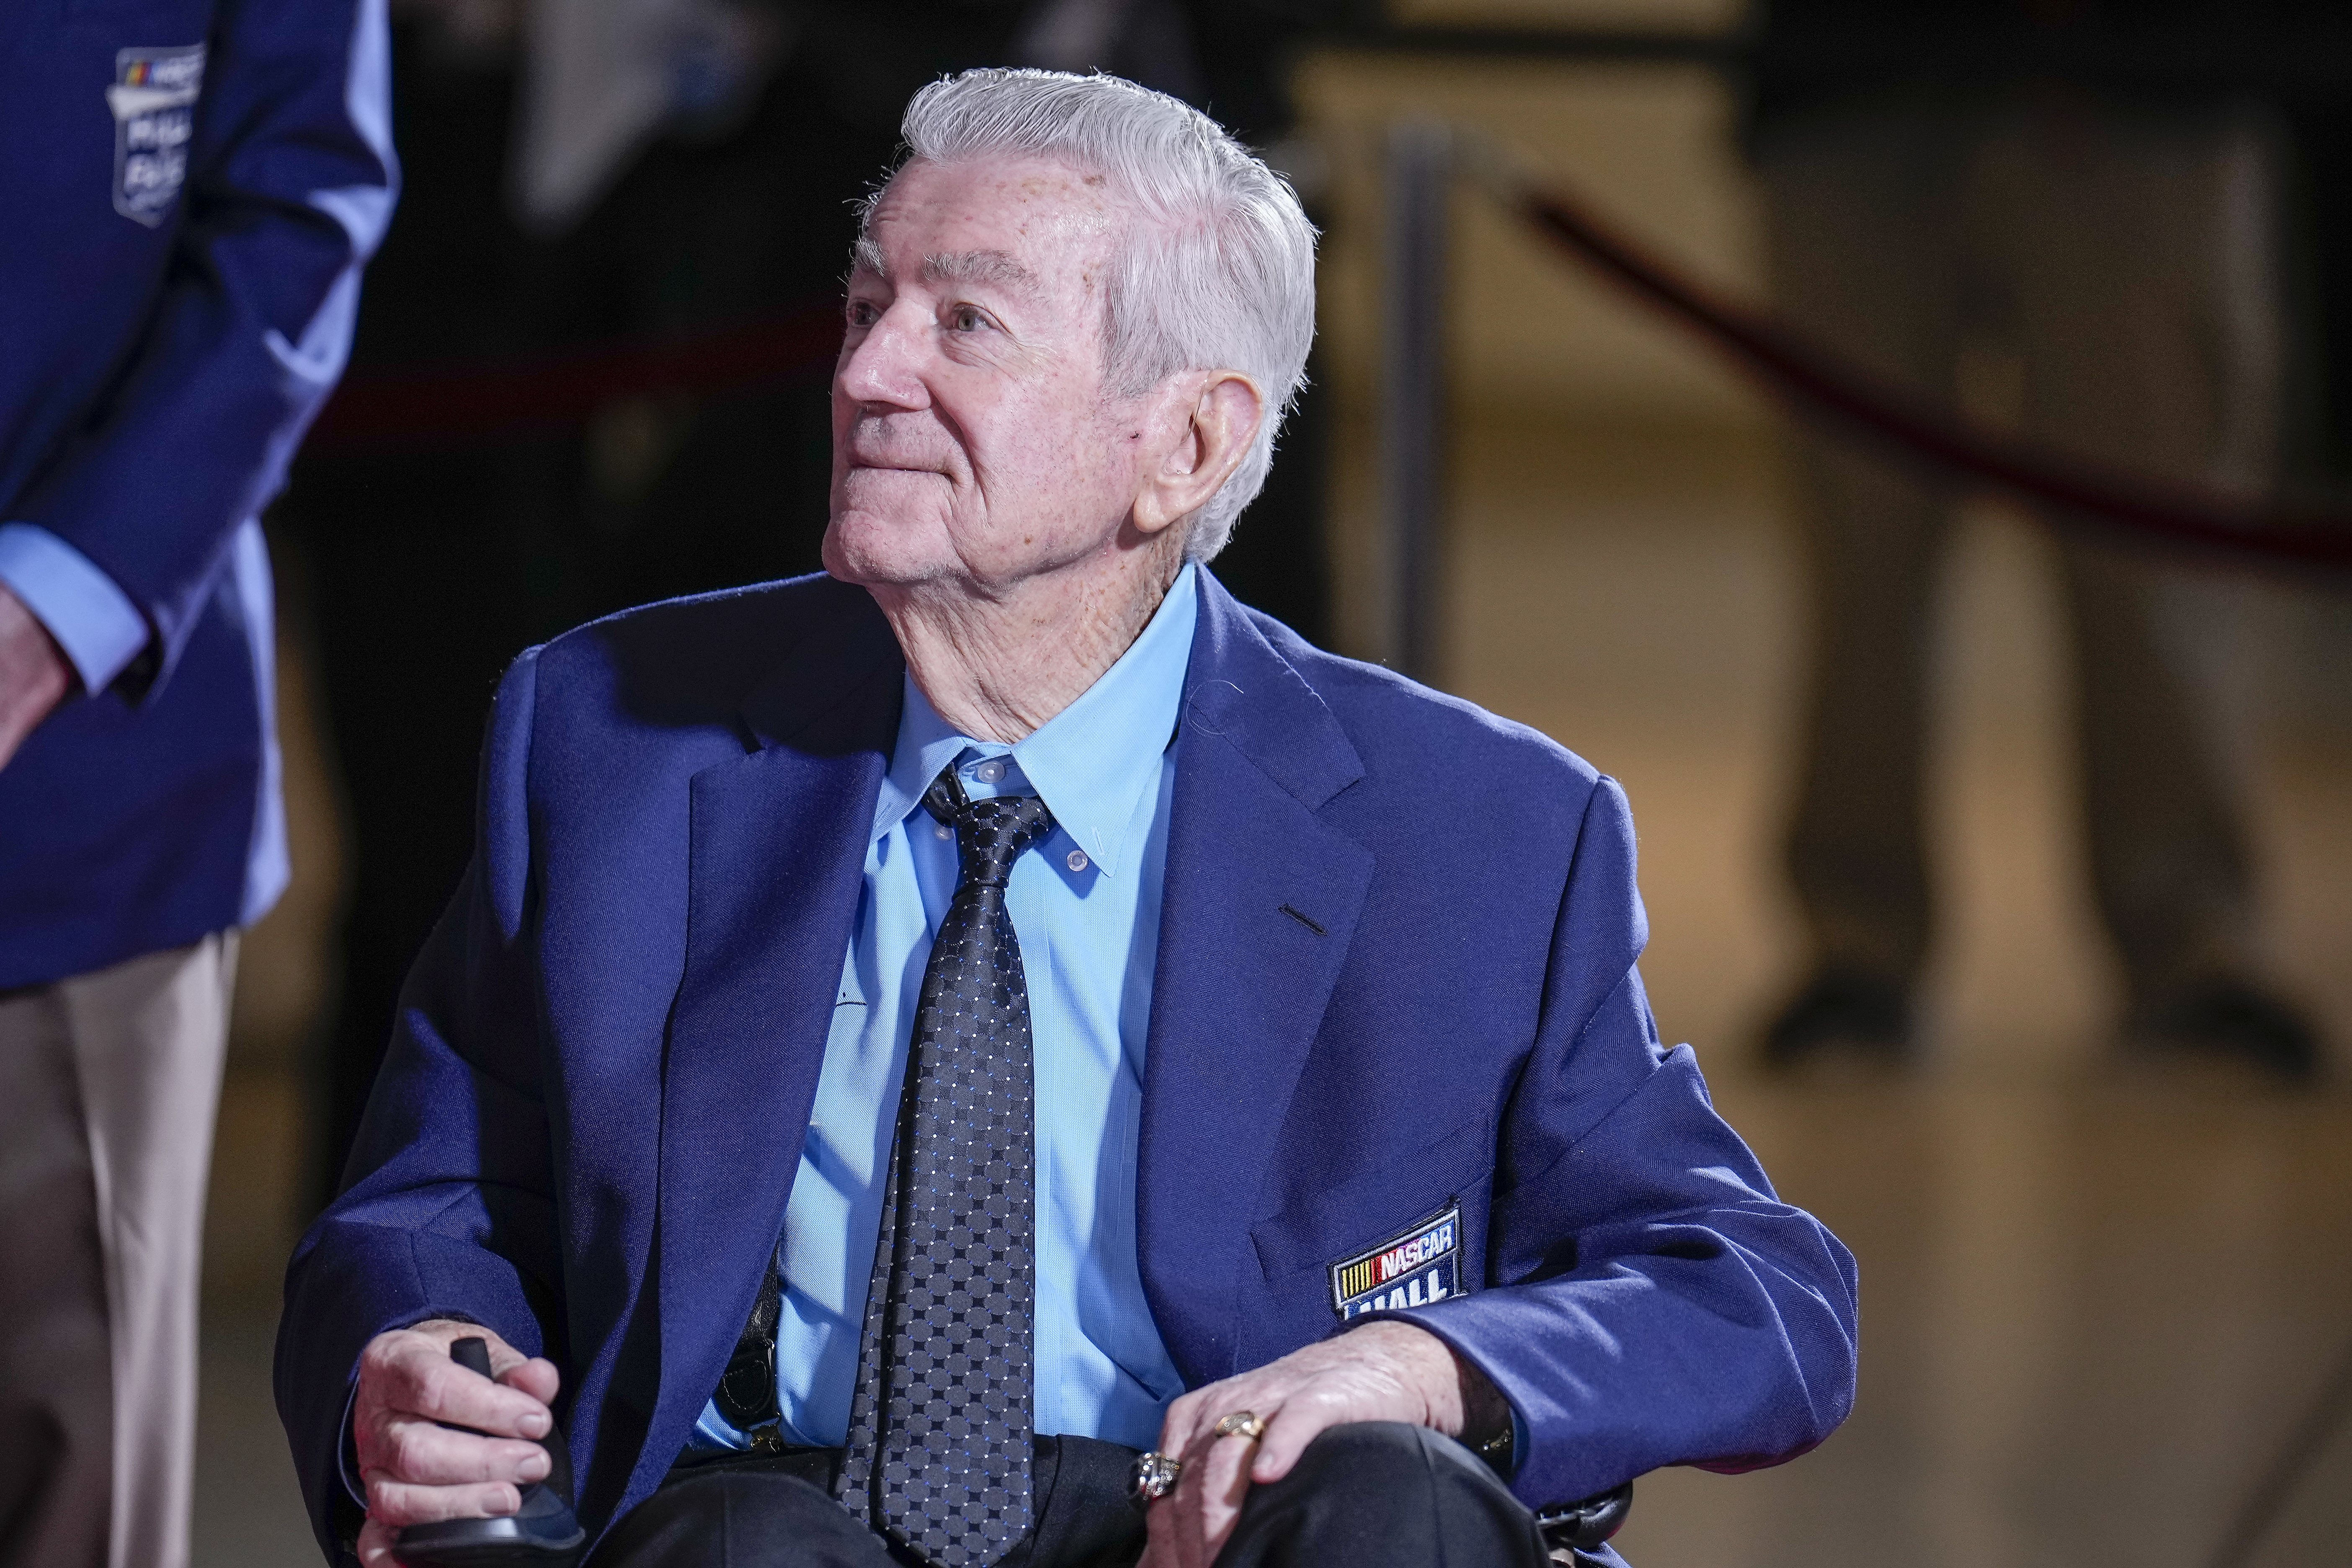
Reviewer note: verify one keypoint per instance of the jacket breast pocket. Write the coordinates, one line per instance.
(1408, 1231)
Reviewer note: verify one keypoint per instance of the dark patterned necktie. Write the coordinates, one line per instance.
(938, 1455)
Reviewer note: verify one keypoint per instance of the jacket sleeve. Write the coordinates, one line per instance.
(1651, 1301)
(290, 183)
(450, 1211)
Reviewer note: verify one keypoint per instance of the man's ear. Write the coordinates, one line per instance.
(1212, 437)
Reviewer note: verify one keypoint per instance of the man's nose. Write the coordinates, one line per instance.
(886, 365)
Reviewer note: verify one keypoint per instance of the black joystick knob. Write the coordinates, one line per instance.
(543, 1534)
(1572, 1529)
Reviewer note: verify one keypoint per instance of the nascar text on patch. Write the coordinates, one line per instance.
(1410, 1272)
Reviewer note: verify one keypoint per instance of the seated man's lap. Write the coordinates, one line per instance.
(720, 1517)
(1371, 1495)
(1382, 1494)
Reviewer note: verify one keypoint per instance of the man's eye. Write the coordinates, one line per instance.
(966, 318)
(862, 314)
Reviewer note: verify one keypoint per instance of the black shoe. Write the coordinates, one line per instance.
(1842, 1010)
(2231, 1019)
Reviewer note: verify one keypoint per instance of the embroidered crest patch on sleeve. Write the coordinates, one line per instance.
(1411, 1270)
(153, 101)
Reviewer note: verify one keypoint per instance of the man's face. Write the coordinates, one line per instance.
(975, 439)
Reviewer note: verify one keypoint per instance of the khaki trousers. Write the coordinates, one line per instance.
(109, 1083)
(2125, 263)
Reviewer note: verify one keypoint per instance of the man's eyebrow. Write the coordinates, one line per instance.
(979, 267)
(995, 266)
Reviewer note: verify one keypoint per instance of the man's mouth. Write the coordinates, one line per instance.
(888, 465)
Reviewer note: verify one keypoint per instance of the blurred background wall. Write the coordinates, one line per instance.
(2096, 1297)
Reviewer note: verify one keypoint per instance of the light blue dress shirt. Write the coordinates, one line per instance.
(1086, 905)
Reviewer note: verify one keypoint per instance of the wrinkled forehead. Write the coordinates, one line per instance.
(1030, 224)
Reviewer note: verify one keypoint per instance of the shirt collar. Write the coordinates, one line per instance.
(1090, 763)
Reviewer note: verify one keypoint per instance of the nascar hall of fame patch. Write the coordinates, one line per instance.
(1422, 1265)
(153, 97)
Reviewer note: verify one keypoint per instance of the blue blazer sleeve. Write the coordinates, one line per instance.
(290, 183)
(454, 1213)
(1653, 1302)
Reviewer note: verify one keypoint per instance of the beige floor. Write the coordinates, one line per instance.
(2093, 1301)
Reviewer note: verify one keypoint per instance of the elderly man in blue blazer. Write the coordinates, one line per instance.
(923, 1052)
(188, 189)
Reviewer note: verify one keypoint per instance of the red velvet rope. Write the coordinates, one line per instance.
(2077, 493)
(475, 404)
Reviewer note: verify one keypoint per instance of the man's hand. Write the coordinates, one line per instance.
(414, 1468)
(34, 674)
(1387, 1370)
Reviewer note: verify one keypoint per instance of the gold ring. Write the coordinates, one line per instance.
(1241, 1424)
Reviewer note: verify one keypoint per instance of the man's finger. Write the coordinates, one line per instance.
(374, 1545)
(536, 1377)
(1159, 1537)
(1287, 1432)
(423, 1380)
(1192, 1418)
(1223, 1486)
(399, 1502)
(1209, 1493)
(408, 1449)
(34, 674)
(1176, 1427)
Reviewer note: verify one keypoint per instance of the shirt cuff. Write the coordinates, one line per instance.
(347, 1456)
(93, 620)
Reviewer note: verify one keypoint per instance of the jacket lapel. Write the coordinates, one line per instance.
(776, 854)
(1260, 903)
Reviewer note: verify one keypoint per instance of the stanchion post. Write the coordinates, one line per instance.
(1419, 159)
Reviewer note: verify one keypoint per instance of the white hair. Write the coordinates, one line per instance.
(1222, 277)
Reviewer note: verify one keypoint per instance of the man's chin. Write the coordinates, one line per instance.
(874, 551)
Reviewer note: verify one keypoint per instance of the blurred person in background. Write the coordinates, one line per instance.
(192, 189)
(2096, 189)
(584, 172)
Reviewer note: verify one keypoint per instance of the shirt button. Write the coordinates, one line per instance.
(1077, 861)
(944, 830)
(988, 772)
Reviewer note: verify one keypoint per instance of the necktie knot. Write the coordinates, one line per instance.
(989, 834)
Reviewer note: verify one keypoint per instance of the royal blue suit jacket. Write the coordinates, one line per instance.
(1396, 974)
(164, 341)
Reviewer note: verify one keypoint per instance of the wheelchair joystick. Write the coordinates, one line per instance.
(543, 1534)
(1572, 1530)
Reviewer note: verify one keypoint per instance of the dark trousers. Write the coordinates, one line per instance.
(1373, 1495)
